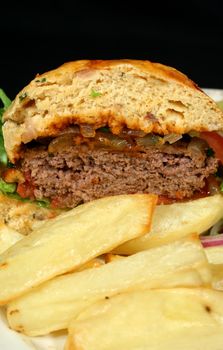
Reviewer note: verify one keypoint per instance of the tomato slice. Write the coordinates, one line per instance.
(215, 141)
(25, 190)
(55, 203)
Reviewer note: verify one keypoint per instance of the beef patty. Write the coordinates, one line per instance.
(81, 174)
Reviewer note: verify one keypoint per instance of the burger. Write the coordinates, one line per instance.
(90, 129)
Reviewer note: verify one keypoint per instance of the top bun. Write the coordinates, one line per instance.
(120, 93)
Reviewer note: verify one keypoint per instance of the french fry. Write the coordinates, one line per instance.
(109, 257)
(215, 258)
(64, 244)
(51, 306)
(175, 221)
(217, 276)
(96, 262)
(214, 254)
(8, 237)
(157, 320)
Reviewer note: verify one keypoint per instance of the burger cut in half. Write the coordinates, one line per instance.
(91, 129)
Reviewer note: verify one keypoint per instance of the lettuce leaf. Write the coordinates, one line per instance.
(9, 189)
(6, 103)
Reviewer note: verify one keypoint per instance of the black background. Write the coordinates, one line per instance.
(39, 36)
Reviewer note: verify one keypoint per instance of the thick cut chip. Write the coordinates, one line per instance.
(156, 320)
(109, 257)
(175, 221)
(67, 242)
(51, 306)
(8, 237)
(217, 276)
(214, 254)
(215, 258)
(96, 262)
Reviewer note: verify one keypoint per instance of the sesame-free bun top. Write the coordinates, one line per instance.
(119, 93)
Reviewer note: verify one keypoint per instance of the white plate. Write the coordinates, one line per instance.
(10, 340)
(216, 94)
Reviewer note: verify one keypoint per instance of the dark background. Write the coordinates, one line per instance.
(39, 36)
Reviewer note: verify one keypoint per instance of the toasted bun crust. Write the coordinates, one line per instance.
(135, 94)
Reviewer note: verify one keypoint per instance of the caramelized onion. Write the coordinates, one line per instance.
(171, 138)
(194, 133)
(87, 130)
(149, 140)
(101, 140)
(74, 129)
(108, 140)
(133, 133)
(61, 143)
(85, 133)
(197, 145)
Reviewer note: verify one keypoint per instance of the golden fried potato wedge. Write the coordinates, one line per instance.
(96, 262)
(215, 258)
(156, 319)
(8, 237)
(51, 306)
(109, 257)
(175, 221)
(214, 254)
(65, 243)
(217, 276)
